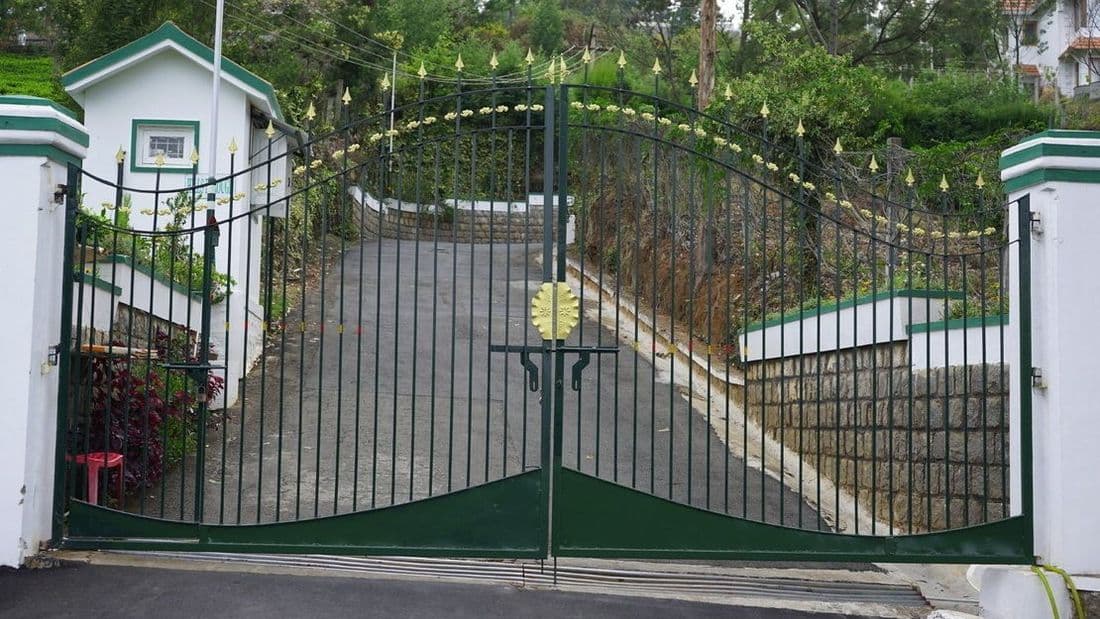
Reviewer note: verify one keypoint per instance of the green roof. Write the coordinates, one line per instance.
(170, 32)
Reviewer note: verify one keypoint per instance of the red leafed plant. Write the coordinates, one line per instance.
(140, 409)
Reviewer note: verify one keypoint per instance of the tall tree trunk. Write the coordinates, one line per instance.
(708, 50)
(746, 16)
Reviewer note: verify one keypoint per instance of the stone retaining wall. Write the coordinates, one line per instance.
(930, 444)
(464, 226)
(133, 327)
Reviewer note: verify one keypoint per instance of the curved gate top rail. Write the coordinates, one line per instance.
(338, 346)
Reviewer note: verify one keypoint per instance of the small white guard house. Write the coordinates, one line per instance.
(152, 97)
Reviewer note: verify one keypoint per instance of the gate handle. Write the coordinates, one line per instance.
(580, 364)
(532, 371)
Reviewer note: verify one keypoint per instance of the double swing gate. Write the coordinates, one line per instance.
(528, 321)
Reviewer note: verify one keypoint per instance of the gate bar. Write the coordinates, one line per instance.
(547, 274)
(64, 345)
(1026, 473)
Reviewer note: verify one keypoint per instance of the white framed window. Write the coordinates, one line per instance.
(175, 140)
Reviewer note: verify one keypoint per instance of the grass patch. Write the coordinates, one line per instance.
(36, 76)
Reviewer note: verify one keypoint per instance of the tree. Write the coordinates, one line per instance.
(708, 50)
(865, 29)
(893, 32)
(546, 26)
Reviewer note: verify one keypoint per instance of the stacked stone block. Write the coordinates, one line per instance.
(464, 226)
(925, 448)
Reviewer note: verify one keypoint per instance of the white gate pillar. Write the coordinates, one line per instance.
(1059, 173)
(37, 139)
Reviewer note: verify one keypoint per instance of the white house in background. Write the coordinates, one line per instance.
(1054, 43)
(151, 98)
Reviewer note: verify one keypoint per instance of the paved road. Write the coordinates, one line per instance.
(379, 408)
(88, 592)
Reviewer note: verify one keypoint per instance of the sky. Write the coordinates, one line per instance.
(730, 8)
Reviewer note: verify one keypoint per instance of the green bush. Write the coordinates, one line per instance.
(959, 107)
(35, 76)
(169, 257)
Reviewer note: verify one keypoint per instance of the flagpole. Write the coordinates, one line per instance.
(212, 143)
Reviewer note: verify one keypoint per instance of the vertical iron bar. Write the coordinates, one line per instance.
(340, 325)
(1024, 249)
(547, 394)
(210, 241)
(65, 352)
(416, 289)
(398, 189)
(306, 187)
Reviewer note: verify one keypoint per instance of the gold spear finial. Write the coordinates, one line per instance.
(980, 183)
(800, 130)
(422, 72)
(120, 156)
(530, 58)
(692, 79)
(194, 156)
(159, 161)
(459, 65)
(561, 66)
(232, 145)
(729, 92)
(270, 130)
(764, 111)
(874, 164)
(385, 82)
(493, 62)
(656, 66)
(837, 148)
(587, 56)
(311, 112)
(909, 178)
(943, 184)
(622, 60)
(347, 96)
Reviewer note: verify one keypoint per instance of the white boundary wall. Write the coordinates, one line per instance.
(1059, 173)
(880, 320)
(31, 241)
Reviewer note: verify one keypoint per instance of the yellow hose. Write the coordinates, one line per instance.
(1078, 607)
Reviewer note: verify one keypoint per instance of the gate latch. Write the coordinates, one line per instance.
(195, 371)
(1037, 378)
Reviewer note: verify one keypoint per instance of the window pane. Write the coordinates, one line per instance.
(169, 146)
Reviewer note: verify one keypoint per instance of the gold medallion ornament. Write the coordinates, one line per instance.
(544, 314)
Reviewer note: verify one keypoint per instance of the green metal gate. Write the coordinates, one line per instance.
(354, 344)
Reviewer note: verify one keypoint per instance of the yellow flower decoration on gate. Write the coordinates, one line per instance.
(544, 314)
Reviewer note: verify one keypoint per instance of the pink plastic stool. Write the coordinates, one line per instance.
(95, 461)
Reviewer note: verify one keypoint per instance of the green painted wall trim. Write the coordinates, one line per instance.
(503, 518)
(160, 122)
(1063, 134)
(1046, 149)
(40, 123)
(37, 101)
(825, 308)
(88, 278)
(1044, 175)
(39, 150)
(597, 518)
(972, 322)
(170, 32)
(147, 270)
